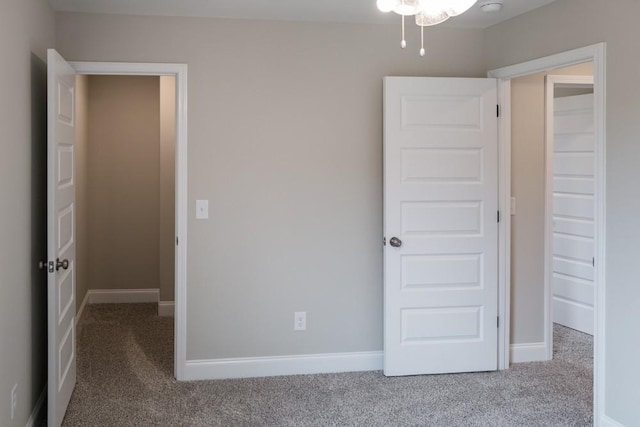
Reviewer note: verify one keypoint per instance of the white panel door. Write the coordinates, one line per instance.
(573, 212)
(61, 210)
(440, 206)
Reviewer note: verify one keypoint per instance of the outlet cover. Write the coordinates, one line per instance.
(300, 321)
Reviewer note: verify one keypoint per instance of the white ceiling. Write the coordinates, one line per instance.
(353, 11)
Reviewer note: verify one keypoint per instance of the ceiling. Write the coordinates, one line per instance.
(347, 11)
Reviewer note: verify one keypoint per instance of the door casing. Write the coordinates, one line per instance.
(597, 54)
(180, 279)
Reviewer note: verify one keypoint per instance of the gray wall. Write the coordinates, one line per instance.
(527, 186)
(569, 24)
(285, 140)
(82, 189)
(26, 30)
(124, 182)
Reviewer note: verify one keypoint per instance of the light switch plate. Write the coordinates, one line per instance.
(202, 209)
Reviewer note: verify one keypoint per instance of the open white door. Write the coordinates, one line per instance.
(440, 225)
(573, 212)
(61, 246)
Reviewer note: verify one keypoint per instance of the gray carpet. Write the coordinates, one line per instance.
(125, 378)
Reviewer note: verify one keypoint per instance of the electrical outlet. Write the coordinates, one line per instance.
(14, 400)
(300, 321)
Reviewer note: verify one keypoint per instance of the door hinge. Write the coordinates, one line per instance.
(593, 261)
(498, 322)
(384, 241)
(498, 110)
(177, 241)
(498, 216)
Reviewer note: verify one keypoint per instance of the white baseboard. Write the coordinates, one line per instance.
(573, 315)
(608, 422)
(35, 414)
(530, 352)
(116, 296)
(84, 303)
(247, 367)
(166, 308)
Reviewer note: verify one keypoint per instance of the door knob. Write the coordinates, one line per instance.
(64, 264)
(395, 242)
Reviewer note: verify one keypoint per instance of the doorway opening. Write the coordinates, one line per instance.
(179, 71)
(125, 191)
(542, 350)
(552, 218)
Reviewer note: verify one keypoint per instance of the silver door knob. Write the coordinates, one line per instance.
(64, 264)
(395, 242)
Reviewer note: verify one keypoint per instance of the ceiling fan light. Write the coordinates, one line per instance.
(386, 5)
(427, 12)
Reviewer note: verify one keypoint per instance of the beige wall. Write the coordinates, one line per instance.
(82, 189)
(527, 186)
(167, 186)
(26, 30)
(285, 140)
(123, 182)
(569, 24)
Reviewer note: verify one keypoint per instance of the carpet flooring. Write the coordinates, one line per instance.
(125, 364)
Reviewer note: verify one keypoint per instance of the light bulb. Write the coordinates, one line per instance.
(422, 52)
(403, 44)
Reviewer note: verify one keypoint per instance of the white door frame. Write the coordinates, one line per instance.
(180, 73)
(597, 54)
(551, 82)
